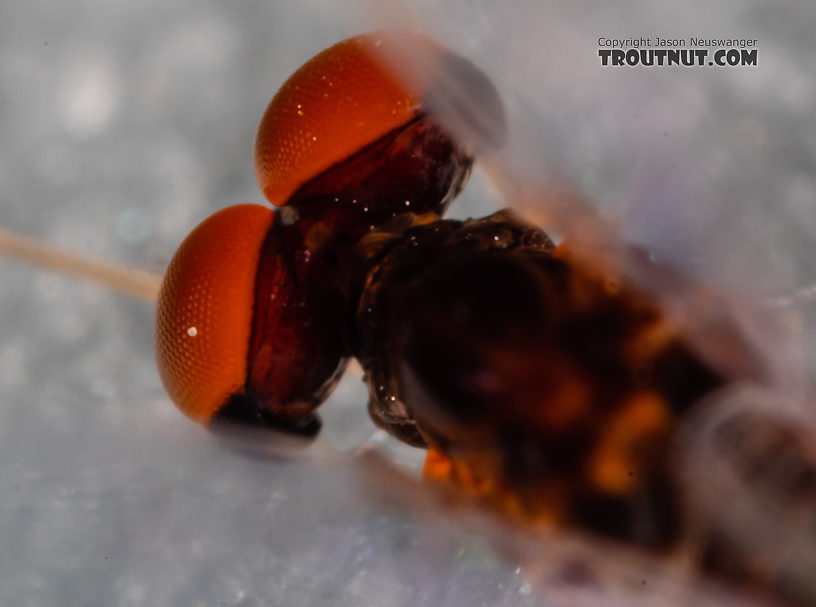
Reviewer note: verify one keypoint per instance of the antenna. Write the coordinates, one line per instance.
(129, 281)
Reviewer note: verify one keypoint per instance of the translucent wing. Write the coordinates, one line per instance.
(759, 457)
(708, 167)
(559, 568)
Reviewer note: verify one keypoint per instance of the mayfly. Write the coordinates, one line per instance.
(729, 348)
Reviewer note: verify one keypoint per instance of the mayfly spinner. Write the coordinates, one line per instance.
(559, 392)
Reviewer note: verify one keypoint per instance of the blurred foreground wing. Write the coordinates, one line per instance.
(558, 568)
(748, 463)
(681, 162)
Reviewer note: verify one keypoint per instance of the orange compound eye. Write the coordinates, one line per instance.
(235, 337)
(204, 310)
(360, 133)
(340, 101)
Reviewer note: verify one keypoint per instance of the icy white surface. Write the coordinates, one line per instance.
(123, 124)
